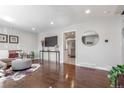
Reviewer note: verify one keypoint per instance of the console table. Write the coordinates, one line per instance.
(49, 52)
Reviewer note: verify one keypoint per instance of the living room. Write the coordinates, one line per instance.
(26, 33)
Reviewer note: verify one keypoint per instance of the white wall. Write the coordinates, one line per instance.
(27, 40)
(41, 36)
(102, 55)
(122, 26)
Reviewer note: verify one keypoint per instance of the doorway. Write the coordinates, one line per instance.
(69, 47)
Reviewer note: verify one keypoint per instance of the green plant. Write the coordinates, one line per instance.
(119, 69)
(32, 54)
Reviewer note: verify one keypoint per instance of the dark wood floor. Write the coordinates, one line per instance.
(61, 76)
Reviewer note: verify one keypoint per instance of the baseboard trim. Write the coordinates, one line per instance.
(93, 67)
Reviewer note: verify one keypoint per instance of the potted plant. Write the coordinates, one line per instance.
(21, 54)
(32, 54)
(113, 73)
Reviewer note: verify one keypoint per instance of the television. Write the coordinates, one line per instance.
(51, 41)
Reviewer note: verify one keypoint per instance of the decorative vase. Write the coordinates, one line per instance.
(56, 47)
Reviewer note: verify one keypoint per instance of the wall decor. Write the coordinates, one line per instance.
(3, 38)
(90, 38)
(13, 39)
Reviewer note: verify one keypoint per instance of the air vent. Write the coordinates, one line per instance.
(122, 13)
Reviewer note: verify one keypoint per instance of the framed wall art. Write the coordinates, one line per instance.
(13, 39)
(3, 38)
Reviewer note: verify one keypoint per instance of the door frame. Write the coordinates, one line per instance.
(122, 47)
(63, 34)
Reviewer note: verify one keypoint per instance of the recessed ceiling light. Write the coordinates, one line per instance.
(106, 12)
(51, 22)
(87, 11)
(33, 28)
(7, 18)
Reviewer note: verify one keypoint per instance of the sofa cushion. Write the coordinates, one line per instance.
(13, 55)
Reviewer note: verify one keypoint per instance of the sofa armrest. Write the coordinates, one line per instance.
(8, 61)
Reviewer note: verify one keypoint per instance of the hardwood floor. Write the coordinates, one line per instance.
(61, 76)
(68, 59)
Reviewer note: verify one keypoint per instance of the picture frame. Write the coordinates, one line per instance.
(3, 38)
(13, 39)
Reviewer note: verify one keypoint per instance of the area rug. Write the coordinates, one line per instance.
(17, 75)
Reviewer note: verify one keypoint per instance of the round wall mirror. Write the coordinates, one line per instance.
(90, 38)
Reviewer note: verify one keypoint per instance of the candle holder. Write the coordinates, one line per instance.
(42, 43)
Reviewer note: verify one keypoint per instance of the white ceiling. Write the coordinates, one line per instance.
(40, 16)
